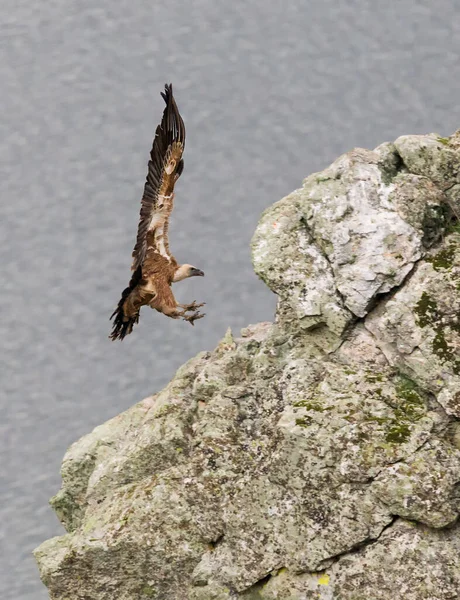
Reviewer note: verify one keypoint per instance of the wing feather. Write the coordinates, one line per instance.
(164, 168)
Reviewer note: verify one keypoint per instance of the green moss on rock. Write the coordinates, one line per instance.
(426, 310)
(311, 405)
(303, 422)
(428, 314)
(148, 591)
(444, 258)
(398, 433)
(445, 141)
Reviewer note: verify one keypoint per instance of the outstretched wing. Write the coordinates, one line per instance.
(165, 167)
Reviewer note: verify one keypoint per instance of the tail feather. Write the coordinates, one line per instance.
(123, 324)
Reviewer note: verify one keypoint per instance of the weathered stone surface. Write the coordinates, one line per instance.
(316, 457)
(418, 328)
(431, 156)
(389, 568)
(422, 487)
(346, 236)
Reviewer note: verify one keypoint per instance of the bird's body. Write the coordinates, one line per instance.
(154, 267)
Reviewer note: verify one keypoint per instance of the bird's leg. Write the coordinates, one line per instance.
(193, 306)
(174, 313)
(193, 317)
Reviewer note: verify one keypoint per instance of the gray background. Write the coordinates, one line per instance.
(270, 91)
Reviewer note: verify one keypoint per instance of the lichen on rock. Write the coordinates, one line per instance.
(314, 457)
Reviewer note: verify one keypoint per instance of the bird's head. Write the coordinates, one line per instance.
(185, 271)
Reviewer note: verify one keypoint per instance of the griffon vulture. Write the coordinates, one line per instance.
(154, 267)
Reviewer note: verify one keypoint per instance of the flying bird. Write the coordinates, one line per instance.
(154, 267)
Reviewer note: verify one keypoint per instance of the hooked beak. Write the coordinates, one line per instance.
(197, 273)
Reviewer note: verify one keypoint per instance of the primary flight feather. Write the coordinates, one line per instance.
(154, 267)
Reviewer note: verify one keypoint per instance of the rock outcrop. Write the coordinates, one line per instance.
(317, 457)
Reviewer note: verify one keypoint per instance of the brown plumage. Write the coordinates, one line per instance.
(154, 267)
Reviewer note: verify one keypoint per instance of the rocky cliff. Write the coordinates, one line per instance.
(316, 457)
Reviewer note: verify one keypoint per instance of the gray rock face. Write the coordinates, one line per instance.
(317, 457)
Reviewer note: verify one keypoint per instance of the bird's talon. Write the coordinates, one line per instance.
(192, 318)
(193, 306)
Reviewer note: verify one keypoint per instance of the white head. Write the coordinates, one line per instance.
(185, 271)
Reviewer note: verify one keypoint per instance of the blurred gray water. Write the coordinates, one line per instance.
(270, 91)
